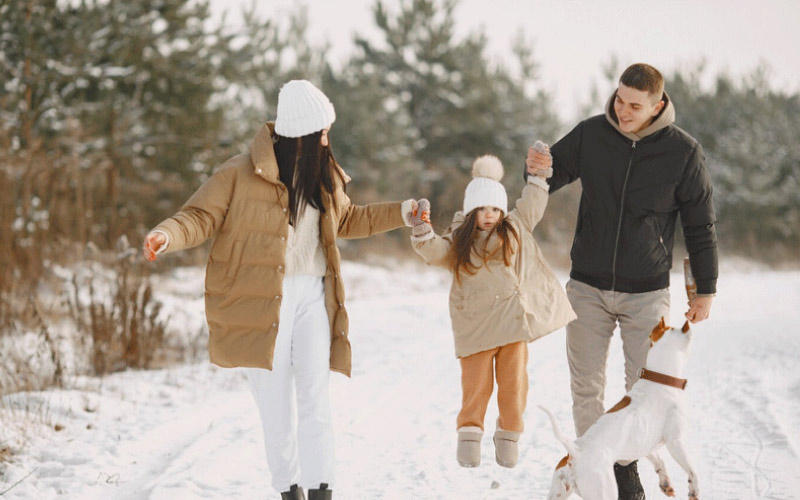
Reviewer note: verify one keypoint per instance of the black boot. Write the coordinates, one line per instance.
(323, 493)
(628, 482)
(294, 493)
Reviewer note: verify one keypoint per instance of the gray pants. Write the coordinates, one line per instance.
(589, 336)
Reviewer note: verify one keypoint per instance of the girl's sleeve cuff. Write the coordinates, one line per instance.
(538, 181)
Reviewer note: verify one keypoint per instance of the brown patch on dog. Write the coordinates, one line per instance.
(685, 327)
(658, 331)
(563, 462)
(625, 401)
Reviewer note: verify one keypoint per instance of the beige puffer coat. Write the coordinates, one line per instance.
(501, 304)
(244, 207)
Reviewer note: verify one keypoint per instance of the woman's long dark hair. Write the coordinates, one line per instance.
(464, 244)
(305, 167)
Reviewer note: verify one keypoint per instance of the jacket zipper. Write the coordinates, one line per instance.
(619, 222)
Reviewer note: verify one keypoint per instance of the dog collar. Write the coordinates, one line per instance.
(660, 378)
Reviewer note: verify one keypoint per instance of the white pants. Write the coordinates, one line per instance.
(293, 397)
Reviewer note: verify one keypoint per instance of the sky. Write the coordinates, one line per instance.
(573, 39)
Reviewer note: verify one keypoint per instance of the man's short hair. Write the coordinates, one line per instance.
(642, 76)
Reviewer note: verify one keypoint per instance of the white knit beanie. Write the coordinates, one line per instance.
(485, 190)
(302, 109)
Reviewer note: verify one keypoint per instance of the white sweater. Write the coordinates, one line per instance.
(304, 254)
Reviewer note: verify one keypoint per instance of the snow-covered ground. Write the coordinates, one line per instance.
(192, 432)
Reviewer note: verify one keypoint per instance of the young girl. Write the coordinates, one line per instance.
(503, 296)
(273, 289)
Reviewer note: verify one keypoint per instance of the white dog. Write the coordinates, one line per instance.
(651, 414)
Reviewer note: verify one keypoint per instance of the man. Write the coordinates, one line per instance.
(638, 172)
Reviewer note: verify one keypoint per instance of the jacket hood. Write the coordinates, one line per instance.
(663, 120)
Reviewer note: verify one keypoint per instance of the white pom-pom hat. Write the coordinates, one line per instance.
(485, 190)
(302, 109)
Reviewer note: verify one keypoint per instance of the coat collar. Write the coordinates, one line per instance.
(262, 155)
(663, 120)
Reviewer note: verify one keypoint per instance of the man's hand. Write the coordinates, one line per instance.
(539, 161)
(699, 309)
(152, 244)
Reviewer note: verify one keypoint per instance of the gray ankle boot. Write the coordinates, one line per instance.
(469, 446)
(506, 450)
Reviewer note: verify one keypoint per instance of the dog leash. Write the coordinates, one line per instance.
(660, 378)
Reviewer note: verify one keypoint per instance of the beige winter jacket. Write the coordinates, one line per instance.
(503, 304)
(244, 207)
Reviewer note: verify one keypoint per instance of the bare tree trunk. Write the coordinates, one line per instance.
(80, 207)
(112, 181)
(27, 124)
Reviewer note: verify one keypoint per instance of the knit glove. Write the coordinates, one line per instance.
(544, 149)
(421, 219)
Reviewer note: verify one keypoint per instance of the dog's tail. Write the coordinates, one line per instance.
(568, 444)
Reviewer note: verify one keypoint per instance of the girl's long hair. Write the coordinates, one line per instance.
(465, 244)
(305, 167)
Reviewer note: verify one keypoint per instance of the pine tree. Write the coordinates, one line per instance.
(749, 135)
(422, 103)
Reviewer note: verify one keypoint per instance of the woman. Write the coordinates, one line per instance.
(274, 294)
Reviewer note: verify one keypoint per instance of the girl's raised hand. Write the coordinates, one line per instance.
(539, 161)
(152, 244)
(421, 218)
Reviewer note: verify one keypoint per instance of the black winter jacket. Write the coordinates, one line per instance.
(632, 194)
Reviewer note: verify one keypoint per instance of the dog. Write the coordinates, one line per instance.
(651, 414)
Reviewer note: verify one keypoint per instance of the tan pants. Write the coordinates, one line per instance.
(509, 363)
(589, 336)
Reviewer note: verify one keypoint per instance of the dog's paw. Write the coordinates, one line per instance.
(693, 494)
(666, 487)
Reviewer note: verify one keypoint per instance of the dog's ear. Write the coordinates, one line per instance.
(685, 327)
(658, 331)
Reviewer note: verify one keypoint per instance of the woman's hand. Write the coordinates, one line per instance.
(153, 243)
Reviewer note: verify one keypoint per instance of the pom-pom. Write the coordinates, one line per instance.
(488, 166)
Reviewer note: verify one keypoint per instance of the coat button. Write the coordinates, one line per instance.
(496, 297)
(277, 296)
(274, 325)
(285, 210)
(258, 170)
(280, 268)
(341, 304)
(283, 238)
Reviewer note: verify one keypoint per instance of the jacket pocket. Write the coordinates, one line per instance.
(659, 234)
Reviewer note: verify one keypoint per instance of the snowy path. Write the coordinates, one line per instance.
(192, 432)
